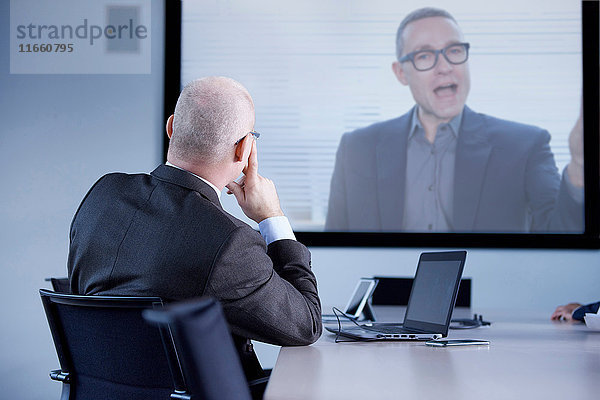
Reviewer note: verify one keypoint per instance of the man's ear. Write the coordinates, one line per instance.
(243, 148)
(399, 72)
(169, 126)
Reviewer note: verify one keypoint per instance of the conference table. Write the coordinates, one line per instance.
(529, 357)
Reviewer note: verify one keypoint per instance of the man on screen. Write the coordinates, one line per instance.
(442, 167)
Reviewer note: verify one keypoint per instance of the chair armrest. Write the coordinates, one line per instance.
(60, 375)
(259, 381)
(179, 395)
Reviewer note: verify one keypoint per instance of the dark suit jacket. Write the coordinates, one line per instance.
(592, 308)
(505, 179)
(165, 234)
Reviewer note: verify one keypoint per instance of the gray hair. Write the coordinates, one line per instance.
(416, 15)
(210, 115)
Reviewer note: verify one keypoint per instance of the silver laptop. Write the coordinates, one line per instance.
(430, 304)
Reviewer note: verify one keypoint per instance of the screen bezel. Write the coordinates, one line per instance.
(365, 297)
(437, 256)
(589, 239)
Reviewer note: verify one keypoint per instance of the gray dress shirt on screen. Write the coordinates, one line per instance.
(429, 183)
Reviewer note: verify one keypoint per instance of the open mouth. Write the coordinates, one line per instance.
(445, 90)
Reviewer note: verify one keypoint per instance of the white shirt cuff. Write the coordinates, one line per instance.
(276, 228)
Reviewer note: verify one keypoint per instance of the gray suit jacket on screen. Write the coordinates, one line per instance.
(505, 179)
(165, 234)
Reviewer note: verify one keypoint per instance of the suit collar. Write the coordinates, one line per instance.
(216, 189)
(415, 123)
(473, 127)
(187, 180)
(391, 171)
(472, 155)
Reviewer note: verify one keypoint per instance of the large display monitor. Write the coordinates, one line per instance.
(345, 121)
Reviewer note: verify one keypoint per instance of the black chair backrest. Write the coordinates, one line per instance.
(210, 363)
(395, 291)
(60, 285)
(108, 350)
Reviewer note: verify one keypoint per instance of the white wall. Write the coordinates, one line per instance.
(60, 133)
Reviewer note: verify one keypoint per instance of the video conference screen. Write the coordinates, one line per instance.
(468, 121)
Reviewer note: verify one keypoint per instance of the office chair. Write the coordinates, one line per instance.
(60, 285)
(107, 350)
(211, 366)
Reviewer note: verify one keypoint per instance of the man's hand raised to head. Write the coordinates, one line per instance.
(255, 194)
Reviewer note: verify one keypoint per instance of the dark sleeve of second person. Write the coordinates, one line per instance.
(580, 312)
(268, 294)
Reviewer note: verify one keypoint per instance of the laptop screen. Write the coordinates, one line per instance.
(434, 290)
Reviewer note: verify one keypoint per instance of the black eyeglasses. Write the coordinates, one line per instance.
(253, 133)
(424, 60)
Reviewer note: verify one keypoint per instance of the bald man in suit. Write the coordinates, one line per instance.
(165, 233)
